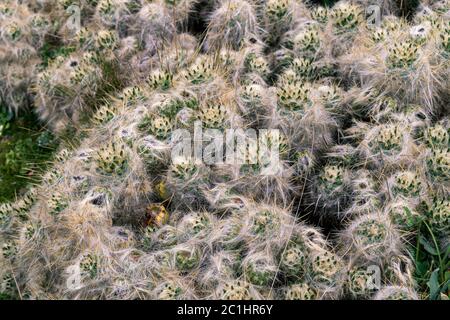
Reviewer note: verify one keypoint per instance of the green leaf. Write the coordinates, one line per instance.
(428, 246)
(433, 284)
(422, 268)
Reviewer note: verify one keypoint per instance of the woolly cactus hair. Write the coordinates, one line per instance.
(345, 19)
(404, 214)
(237, 289)
(154, 153)
(181, 10)
(156, 26)
(396, 293)
(267, 223)
(371, 237)
(228, 233)
(186, 179)
(261, 165)
(365, 194)
(278, 18)
(386, 7)
(255, 103)
(221, 265)
(65, 90)
(196, 225)
(299, 291)
(311, 126)
(121, 238)
(114, 13)
(187, 257)
(159, 237)
(327, 273)
(259, 267)
(388, 145)
(19, 59)
(330, 191)
(408, 184)
(232, 23)
(408, 61)
(331, 96)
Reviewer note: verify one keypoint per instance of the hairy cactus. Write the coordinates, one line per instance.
(230, 149)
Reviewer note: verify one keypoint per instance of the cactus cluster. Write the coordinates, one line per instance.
(363, 136)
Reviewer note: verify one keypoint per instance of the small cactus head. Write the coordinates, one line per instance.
(89, 265)
(307, 41)
(403, 214)
(325, 266)
(201, 71)
(437, 136)
(359, 282)
(439, 213)
(320, 14)
(159, 126)
(372, 236)
(389, 139)
(9, 249)
(259, 269)
(12, 31)
(278, 10)
(106, 40)
(170, 290)
(303, 67)
(57, 203)
(294, 96)
(196, 224)
(300, 291)
(257, 64)
(112, 158)
(235, 290)
(105, 113)
(332, 178)
(402, 55)
(330, 96)
(184, 169)
(264, 222)
(379, 35)
(187, 257)
(438, 164)
(293, 259)
(132, 96)
(160, 79)
(346, 17)
(407, 184)
(213, 115)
